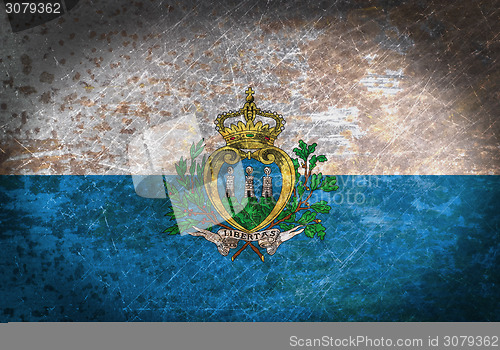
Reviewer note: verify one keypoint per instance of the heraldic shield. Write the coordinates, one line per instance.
(261, 195)
(249, 146)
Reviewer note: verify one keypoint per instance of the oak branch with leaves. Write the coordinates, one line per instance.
(300, 210)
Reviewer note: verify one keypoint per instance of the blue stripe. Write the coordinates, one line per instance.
(398, 248)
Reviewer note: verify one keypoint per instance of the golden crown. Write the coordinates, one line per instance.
(250, 135)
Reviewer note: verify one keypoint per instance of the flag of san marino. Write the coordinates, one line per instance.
(253, 161)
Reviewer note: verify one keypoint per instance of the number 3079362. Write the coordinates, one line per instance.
(33, 7)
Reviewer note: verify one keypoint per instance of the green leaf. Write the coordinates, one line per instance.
(198, 182)
(200, 145)
(328, 184)
(181, 168)
(296, 165)
(198, 149)
(315, 181)
(302, 145)
(199, 171)
(321, 207)
(322, 158)
(197, 197)
(192, 168)
(187, 224)
(312, 180)
(312, 162)
(198, 152)
(183, 182)
(177, 214)
(191, 151)
(313, 229)
(178, 168)
(173, 189)
(320, 178)
(311, 148)
(320, 230)
(286, 227)
(300, 153)
(184, 201)
(172, 230)
(293, 204)
(307, 217)
(300, 189)
(310, 231)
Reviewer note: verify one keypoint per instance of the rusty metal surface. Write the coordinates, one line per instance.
(383, 87)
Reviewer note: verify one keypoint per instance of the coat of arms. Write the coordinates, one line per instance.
(249, 191)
